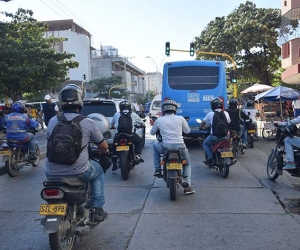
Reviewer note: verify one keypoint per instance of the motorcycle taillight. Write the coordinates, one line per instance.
(52, 193)
(123, 142)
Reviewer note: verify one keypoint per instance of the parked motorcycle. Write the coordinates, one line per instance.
(68, 215)
(15, 154)
(125, 149)
(236, 143)
(276, 159)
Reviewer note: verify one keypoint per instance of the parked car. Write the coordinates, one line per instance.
(107, 108)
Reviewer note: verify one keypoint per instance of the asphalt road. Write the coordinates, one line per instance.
(244, 211)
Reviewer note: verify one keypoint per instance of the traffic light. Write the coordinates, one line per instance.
(192, 49)
(84, 78)
(233, 76)
(167, 48)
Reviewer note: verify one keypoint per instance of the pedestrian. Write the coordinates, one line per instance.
(296, 107)
(137, 108)
(48, 109)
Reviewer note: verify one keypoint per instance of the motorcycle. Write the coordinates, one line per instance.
(67, 214)
(276, 158)
(222, 155)
(172, 162)
(251, 132)
(16, 155)
(125, 150)
(236, 143)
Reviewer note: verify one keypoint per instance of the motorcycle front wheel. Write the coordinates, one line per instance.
(124, 164)
(64, 238)
(224, 168)
(11, 165)
(272, 166)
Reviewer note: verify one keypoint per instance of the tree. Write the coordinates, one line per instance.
(249, 36)
(28, 61)
(104, 85)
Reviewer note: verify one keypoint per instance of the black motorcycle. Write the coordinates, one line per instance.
(251, 132)
(125, 152)
(276, 158)
(67, 212)
(236, 143)
(15, 154)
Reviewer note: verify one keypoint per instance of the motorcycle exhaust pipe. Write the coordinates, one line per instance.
(184, 184)
(81, 231)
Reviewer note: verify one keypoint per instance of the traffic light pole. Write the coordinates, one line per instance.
(217, 54)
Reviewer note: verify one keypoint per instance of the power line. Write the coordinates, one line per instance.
(52, 9)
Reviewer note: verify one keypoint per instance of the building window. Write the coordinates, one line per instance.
(285, 3)
(285, 50)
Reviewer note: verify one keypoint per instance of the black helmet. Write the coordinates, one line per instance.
(18, 107)
(216, 103)
(233, 102)
(70, 97)
(125, 105)
(250, 104)
(169, 105)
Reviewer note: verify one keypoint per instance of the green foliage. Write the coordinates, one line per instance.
(104, 84)
(28, 61)
(249, 36)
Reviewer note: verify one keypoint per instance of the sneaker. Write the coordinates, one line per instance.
(208, 161)
(157, 173)
(289, 166)
(189, 190)
(100, 214)
(244, 146)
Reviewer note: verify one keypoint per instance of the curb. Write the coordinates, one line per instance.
(3, 170)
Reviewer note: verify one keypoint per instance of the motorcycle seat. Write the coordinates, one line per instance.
(71, 180)
(13, 141)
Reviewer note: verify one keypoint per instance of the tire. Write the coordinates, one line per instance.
(124, 164)
(11, 166)
(36, 162)
(251, 141)
(144, 137)
(58, 240)
(272, 164)
(224, 168)
(172, 187)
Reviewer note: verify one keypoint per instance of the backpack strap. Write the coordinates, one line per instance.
(61, 117)
(79, 118)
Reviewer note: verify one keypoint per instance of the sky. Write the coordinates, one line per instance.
(137, 28)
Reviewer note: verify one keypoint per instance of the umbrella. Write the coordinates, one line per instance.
(255, 88)
(280, 94)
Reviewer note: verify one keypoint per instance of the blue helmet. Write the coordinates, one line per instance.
(18, 107)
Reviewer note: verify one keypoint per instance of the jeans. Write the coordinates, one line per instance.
(31, 142)
(161, 148)
(207, 144)
(244, 131)
(289, 143)
(95, 175)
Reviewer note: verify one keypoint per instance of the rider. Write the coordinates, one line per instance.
(17, 124)
(125, 107)
(252, 113)
(71, 102)
(236, 117)
(289, 142)
(216, 105)
(171, 127)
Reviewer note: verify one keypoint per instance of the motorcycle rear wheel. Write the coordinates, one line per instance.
(124, 164)
(36, 162)
(61, 240)
(172, 187)
(251, 140)
(272, 166)
(11, 166)
(224, 168)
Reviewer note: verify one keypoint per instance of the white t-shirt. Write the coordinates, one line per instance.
(209, 118)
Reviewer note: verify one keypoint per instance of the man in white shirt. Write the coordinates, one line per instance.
(170, 127)
(296, 107)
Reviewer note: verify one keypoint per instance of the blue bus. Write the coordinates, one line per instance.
(193, 84)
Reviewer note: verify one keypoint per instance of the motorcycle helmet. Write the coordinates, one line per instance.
(250, 104)
(233, 102)
(216, 103)
(71, 97)
(169, 106)
(125, 105)
(18, 107)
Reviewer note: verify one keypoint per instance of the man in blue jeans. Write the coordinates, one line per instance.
(87, 170)
(171, 127)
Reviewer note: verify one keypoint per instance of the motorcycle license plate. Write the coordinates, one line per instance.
(53, 209)
(122, 148)
(226, 154)
(251, 131)
(5, 152)
(174, 166)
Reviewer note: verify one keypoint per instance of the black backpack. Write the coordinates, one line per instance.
(64, 145)
(125, 123)
(220, 124)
